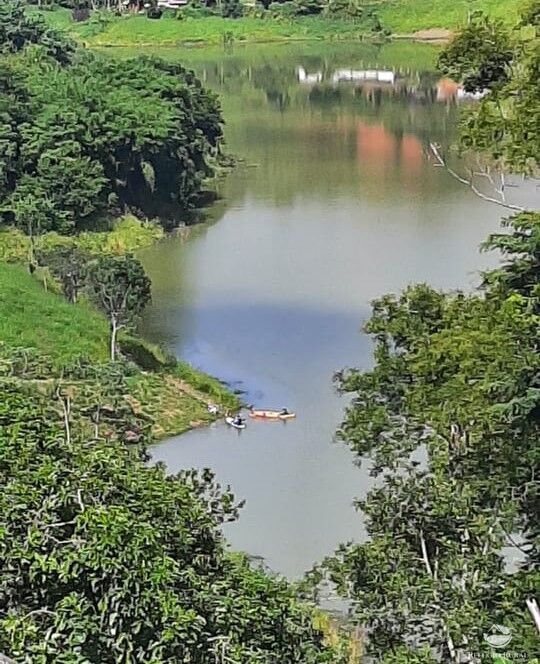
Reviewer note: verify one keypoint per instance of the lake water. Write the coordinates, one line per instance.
(335, 204)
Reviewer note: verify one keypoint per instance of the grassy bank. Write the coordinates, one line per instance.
(33, 318)
(127, 234)
(141, 31)
(399, 16)
(46, 341)
(216, 30)
(408, 16)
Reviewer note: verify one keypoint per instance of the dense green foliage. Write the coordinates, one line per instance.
(450, 415)
(479, 55)
(456, 377)
(449, 419)
(104, 559)
(232, 8)
(18, 30)
(100, 136)
(506, 126)
(120, 288)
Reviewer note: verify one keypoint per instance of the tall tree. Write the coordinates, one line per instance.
(120, 288)
(480, 55)
(504, 127)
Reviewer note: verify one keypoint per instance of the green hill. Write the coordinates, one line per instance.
(33, 318)
(41, 335)
(400, 16)
(408, 16)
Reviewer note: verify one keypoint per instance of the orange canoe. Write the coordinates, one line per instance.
(271, 414)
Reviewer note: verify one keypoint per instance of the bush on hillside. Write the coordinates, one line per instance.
(144, 355)
(80, 14)
(343, 9)
(308, 7)
(283, 9)
(195, 9)
(232, 8)
(154, 12)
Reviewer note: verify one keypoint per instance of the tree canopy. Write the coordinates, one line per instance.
(449, 419)
(505, 126)
(94, 136)
(479, 55)
(105, 559)
(18, 30)
(120, 288)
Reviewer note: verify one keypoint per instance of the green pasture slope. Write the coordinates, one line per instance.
(408, 16)
(33, 318)
(402, 17)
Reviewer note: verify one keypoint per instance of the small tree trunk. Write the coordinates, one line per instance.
(96, 423)
(114, 332)
(532, 605)
(66, 406)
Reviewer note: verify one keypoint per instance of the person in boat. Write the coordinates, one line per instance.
(238, 420)
(284, 411)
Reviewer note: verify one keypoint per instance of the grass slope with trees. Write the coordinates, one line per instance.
(229, 21)
(104, 558)
(85, 144)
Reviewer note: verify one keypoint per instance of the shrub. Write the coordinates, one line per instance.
(255, 11)
(195, 10)
(145, 355)
(80, 14)
(308, 7)
(283, 9)
(232, 9)
(343, 9)
(154, 12)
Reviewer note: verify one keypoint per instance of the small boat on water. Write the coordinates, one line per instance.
(231, 421)
(283, 414)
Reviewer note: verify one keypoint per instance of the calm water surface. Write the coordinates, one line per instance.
(335, 204)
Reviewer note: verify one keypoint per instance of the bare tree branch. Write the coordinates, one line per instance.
(470, 182)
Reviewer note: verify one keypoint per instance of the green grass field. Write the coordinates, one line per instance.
(400, 16)
(33, 318)
(216, 30)
(408, 16)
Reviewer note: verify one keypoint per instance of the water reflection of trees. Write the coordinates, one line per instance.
(368, 134)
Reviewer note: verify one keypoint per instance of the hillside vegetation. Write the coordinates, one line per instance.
(44, 340)
(408, 16)
(400, 17)
(32, 318)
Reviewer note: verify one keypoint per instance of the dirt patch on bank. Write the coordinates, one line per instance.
(438, 35)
